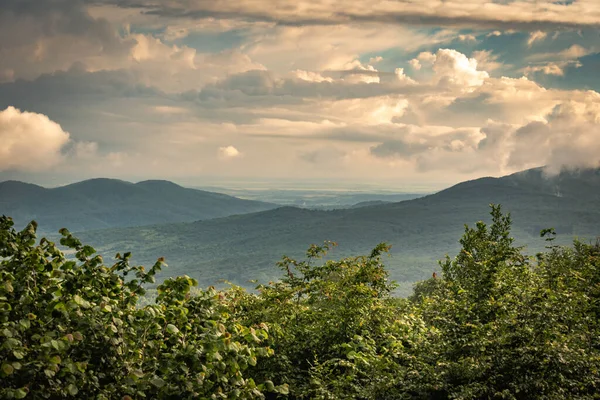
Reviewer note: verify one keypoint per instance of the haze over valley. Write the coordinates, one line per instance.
(242, 240)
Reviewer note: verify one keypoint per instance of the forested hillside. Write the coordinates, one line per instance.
(244, 247)
(495, 323)
(108, 203)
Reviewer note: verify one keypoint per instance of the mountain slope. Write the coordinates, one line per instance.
(421, 231)
(108, 203)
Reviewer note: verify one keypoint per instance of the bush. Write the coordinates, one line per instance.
(71, 327)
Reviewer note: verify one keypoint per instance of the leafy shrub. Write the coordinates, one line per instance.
(71, 327)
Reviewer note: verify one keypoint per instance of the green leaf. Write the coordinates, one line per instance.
(72, 389)
(7, 369)
(283, 389)
(25, 323)
(55, 360)
(11, 343)
(172, 329)
(158, 382)
(57, 344)
(138, 373)
(81, 302)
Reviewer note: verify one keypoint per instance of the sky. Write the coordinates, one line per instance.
(399, 93)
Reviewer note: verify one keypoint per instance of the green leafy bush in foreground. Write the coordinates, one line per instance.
(71, 328)
(496, 324)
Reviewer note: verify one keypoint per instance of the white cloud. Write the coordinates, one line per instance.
(311, 76)
(558, 129)
(415, 64)
(229, 152)
(29, 141)
(320, 48)
(551, 68)
(571, 53)
(85, 150)
(302, 90)
(536, 36)
(426, 57)
(569, 138)
(487, 61)
(467, 38)
(454, 68)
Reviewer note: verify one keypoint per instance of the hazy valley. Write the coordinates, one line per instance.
(183, 225)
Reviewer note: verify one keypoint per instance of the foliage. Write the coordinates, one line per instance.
(510, 328)
(72, 328)
(335, 330)
(495, 324)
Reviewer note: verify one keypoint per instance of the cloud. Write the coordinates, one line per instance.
(518, 14)
(569, 138)
(566, 136)
(29, 141)
(229, 152)
(415, 64)
(573, 52)
(84, 150)
(467, 38)
(454, 68)
(487, 61)
(39, 38)
(398, 148)
(417, 142)
(555, 63)
(536, 36)
(319, 48)
(159, 87)
(552, 68)
(375, 60)
(322, 156)
(43, 37)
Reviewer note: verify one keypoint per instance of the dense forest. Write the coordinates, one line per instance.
(494, 324)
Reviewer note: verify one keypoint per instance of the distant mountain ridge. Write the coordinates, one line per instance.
(109, 203)
(421, 231)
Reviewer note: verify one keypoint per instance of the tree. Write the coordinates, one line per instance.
(71, 327)
(336, 330)
(509, 328)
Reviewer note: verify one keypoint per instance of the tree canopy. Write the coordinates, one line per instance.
(495, 324)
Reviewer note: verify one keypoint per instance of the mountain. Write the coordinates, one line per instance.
(109, 203)
(421, 231)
